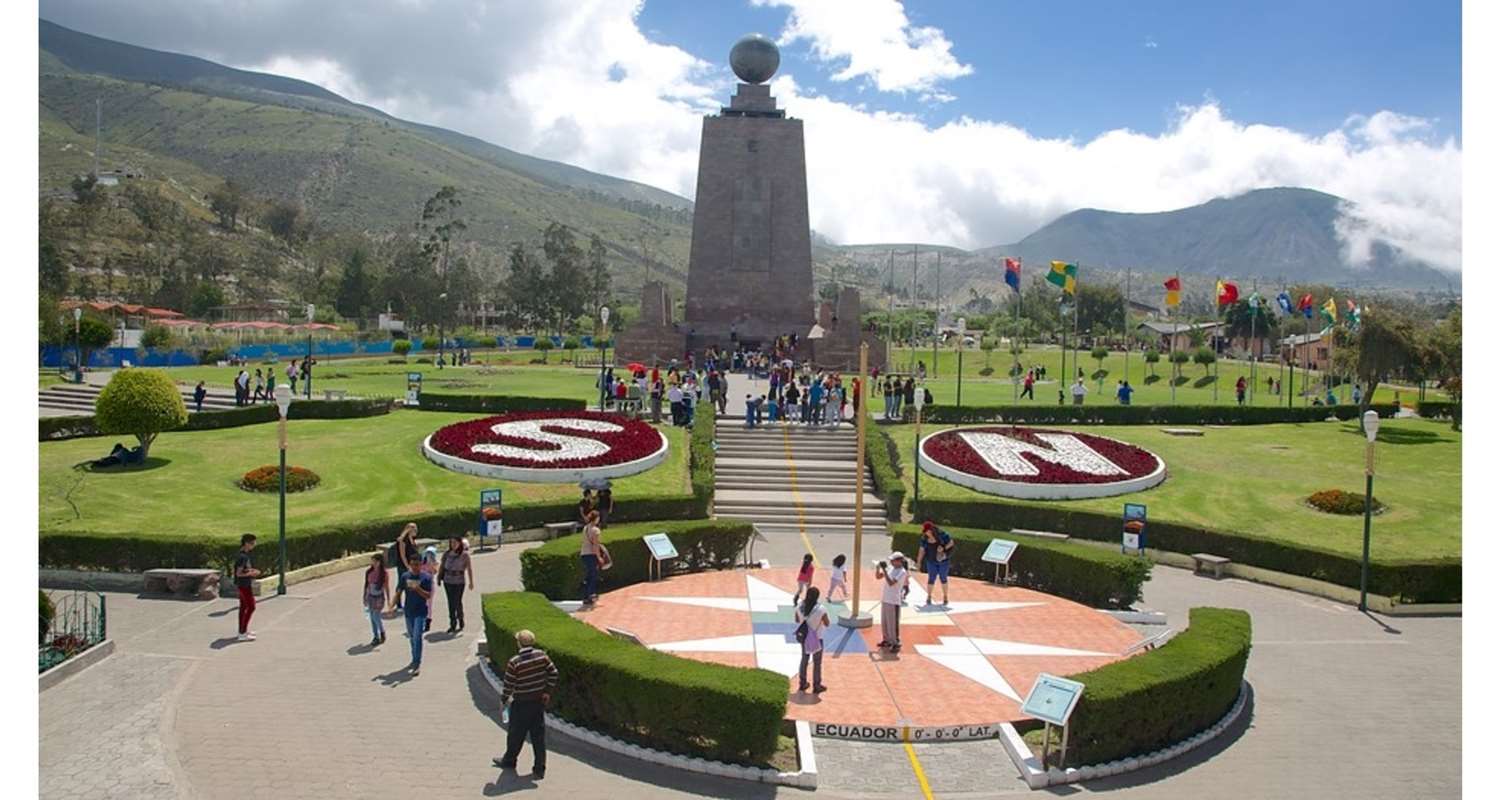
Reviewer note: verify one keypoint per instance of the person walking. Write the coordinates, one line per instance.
(657, 389)
(198, 394)
(811, 618)
(893, 575)
(937, 552)
(804, 577)
(793, 414)
(604, 503)
(1079, 390)
(242, 387)
(260, 388)
(291, 375)
(456, 565)
(376, 595)
(1239, 390)
(585, 506)
(1028, 385)
(909, 393)
(1124, 393)
(403, 556)
(429, 569)
(418, 597)
(530, 678)
(244, 572)
(590, 553)
(837, 576)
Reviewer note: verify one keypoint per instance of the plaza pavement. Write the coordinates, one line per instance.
(1344, 705)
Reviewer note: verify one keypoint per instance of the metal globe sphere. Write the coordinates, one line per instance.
(754, 58)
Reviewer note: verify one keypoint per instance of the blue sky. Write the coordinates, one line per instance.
(1063, 70)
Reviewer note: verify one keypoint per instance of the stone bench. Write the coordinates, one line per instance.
(334, 394)
(1216, 563)
(200, 584)
(556, 529)
(1039, 534)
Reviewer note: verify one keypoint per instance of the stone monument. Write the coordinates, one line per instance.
(750, 264)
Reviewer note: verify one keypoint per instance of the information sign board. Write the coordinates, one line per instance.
(413, 388)
(999, 551)
(1133, 536)
(661, 547)
(1052, 699)
(491, 514)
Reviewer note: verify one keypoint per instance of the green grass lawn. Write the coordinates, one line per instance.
(371, 468)
(1253, 479)
(994, 388)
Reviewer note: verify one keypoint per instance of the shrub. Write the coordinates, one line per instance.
(142, 403)
(885, 472)
(1205, 358)
(1437, 409)
(641, 695)
(1083, 573)
(213, 356)
(48, 611)
(1338, 501)
(156, 336)
(1437, 580)
(1162, 697)
(268, 479)
(701, 461)
(485, 342)
(542, 345)
(572, 343)
(1144, 415)
(430, 343)
(498, 403)
(401, 347)
(93, 334)
(555, 571)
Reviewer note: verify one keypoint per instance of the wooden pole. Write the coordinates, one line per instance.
(855, 618)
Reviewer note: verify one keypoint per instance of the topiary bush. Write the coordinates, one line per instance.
(1338, 501)
(48, 611)
(885, 472)
(555, 571)
(142, 403)
(640, 695)
(401, 347)
(499, 404)
(701, 461)
(1159, 698)
(430, 343)
(268, 479)
(156, 337)
(542, 345)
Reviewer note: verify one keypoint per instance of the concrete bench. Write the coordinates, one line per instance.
(1039, 534)
(1216, 563)
(334, 394)
(556, 529)
(200, 584)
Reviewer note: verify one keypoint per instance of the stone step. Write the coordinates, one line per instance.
(807, 499)
(778, 464)
(779, 529)
(801, 485)
(794, 519)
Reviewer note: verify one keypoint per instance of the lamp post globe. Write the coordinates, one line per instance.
(283, 395)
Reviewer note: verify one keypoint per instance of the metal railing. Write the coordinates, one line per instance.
(78, 623)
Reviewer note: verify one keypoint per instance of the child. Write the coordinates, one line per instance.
(836, 577)
(377, 593)
(804, 578)
(429, 569)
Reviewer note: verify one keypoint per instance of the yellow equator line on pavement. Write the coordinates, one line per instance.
(916, 766)
(786, 447)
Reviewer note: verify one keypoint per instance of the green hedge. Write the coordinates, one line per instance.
(137, 552)
(496, 403)
(1140, 415)
(52, 429)
(1159, 698)
(555, 570)
(701, 460)
(641, 695)
(885, 471)
(1082, 573)
(1437, 409)
(1438, 580)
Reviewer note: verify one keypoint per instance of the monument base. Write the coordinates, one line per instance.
(857, 621)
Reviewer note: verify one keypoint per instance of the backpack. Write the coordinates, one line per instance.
(801, 633)
(393, 556)
(926, 396)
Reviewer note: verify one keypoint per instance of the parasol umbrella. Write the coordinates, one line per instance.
(636, 366)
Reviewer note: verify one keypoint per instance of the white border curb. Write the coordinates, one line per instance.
(1031, 771)
(544, 474)
(806, 778)
(1038, 491)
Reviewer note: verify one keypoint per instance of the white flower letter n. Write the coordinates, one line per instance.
(1003, 454)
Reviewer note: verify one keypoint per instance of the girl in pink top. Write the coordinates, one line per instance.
(804, 577)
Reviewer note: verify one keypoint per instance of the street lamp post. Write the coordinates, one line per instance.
(603, 338)
(1372, 424)
(77, 346)
(962, 327)
(442, 315)
(283, 396)
(916, 495)
(307, 364)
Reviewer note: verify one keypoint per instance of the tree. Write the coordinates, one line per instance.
(1178, 358)
(283, 219)
(227, 201)
(525, 301)
(354, 286)
(93, 334)
(542, 344)
(89, 196)
(1196, 337)
(1099, 354)
(1152, 356)
(1100, 308)
(1205, 357)
(987, 344)
(142, 403)
(441, 225)
(1241, 322)
(206, 296)
(1381, 348)
(156, 336)
(52, 273)
(49, 321)
(401, 347)
(567, 282)
(155, 210)
(598, 271)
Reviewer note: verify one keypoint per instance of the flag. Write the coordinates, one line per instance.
(1227, 293)
(1174, 291)
(1305, 305)
(1013, 273)
(1353, 317)
(1330, 311)
(1064, 275)
(1254, 300)
(1285, 301)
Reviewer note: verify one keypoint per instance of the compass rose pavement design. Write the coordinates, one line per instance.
(969, 662)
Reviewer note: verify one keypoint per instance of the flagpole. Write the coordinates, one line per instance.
(937, 315)
(890, 319)
(1214, 344)
(1078, 268)
(1306, 371)
(1015, 380)
(1254, 309)
(911, 367)
(1125, 325)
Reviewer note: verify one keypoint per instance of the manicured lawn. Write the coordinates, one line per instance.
(1198, 389)
(371, 468)
(1253, 479)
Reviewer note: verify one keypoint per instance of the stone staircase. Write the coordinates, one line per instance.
(792, 479)
(78, 399)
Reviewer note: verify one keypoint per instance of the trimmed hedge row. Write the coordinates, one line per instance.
(1141, 415)
(1438, 580)
(1159, 698)
(701, 460)
(555, 570)
(1082, 573)
(1437, 409)
(496, 403)
(641, 695)
(885, 471)
(52, 429)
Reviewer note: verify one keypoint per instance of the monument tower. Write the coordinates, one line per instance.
(750, 263)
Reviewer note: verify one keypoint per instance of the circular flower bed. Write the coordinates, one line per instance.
(548, 446)
(1039, 464)
(1338, 501)
(268, 479)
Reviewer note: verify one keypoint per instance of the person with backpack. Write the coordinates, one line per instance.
(376, 595)
(530, 678)
(937, 552)
(402, 555)
(456, 564)
(811, 618)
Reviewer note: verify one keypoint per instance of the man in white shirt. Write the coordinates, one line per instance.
(893, 577)
(1079, 390)
(674, 396)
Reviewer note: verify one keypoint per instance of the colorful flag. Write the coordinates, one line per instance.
(1064, 275)
(1013, 273)
(1285, 301)
(1254, 300)
(1174, 291)
(1330, 312)
(1353, 316)
(1305, 305)
(1227, 293)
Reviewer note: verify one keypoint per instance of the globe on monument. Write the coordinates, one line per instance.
(754, 58)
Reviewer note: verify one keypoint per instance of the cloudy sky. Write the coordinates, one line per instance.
(934, 121)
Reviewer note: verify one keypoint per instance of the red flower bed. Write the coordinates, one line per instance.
(635, 440)
(950, 450)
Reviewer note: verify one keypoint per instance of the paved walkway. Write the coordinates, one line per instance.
(1341, 701)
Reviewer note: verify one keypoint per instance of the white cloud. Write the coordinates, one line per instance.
(873, 39)
(537, 78)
